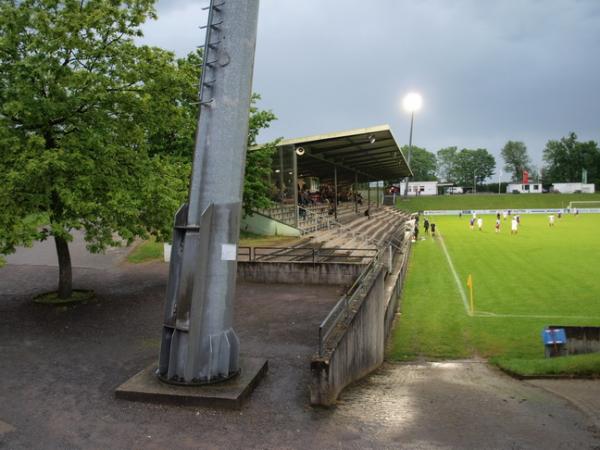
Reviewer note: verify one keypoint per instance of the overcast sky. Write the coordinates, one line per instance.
(488, 71)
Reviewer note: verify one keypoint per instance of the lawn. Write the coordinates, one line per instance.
(542, 276)
(493, 201)
(151, 250)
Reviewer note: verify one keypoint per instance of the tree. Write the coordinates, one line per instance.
(516, 159)
(472, 165)
(446, 161)
(96, 133)
(565, 159)
(422, 163)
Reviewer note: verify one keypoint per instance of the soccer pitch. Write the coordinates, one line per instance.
(541, 276)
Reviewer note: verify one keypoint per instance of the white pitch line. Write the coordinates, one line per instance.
(463, 295)
(532, 316)
(459, 285)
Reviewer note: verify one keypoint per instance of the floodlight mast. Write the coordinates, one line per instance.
(199, 344)
(412, 102)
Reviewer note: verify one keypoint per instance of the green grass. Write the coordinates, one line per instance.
(494, 201)
(578, 365)
(151, 250)
(542, 271)
(51, 298)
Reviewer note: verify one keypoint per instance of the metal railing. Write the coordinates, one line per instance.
(341, 309)
(304, 254)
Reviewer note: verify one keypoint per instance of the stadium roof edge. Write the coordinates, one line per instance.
(371, 152)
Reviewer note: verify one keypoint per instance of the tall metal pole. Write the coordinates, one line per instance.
(412, 119)
(296, 193)
(199, 344)
(355, 192)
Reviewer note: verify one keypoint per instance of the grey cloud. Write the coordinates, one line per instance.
(488, 71)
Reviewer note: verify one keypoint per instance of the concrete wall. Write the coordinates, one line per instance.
(265, 226)
(358, 351)
(358, 347)
(298, 272)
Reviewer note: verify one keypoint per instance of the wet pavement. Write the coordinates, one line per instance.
(60, 367)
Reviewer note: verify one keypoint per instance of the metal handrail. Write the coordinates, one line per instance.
(255, 253)
(341, 309)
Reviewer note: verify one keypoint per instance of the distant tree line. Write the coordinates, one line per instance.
(566, 160)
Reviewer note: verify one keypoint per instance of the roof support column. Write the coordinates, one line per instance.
(355, 192)
(369, 198)
(281, 188)
(378, 194)
(295, 177)
(335, 192)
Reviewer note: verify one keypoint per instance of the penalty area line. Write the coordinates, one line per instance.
(459, 285)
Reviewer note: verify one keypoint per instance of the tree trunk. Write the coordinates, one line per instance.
(65, 276)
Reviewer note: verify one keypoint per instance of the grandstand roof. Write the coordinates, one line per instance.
(371, 153)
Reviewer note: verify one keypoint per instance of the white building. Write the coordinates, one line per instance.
(531, 188)
(571, 188)
(420, 188)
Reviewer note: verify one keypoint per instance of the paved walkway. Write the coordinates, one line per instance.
(583, 394)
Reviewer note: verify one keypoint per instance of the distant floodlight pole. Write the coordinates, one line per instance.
(499, 180)
(411, 103)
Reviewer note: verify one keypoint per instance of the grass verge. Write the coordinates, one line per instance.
(151, 250)
(51, 298)
(564, 366)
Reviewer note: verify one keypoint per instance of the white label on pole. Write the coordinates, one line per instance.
(228, 252)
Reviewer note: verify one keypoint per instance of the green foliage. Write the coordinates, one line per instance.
(422, 163)
(516, 159)
(469, 164)
(446, 158)
(72, 146)
(257, 188)
(523, 275)
(566, 158)
(96, 133)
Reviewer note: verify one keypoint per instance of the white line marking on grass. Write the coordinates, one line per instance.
(463, 295)
(459, 285)
(532, 316)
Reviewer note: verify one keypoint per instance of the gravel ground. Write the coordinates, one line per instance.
(60, 367)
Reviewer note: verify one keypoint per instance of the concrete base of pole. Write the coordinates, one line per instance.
(146, 387)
